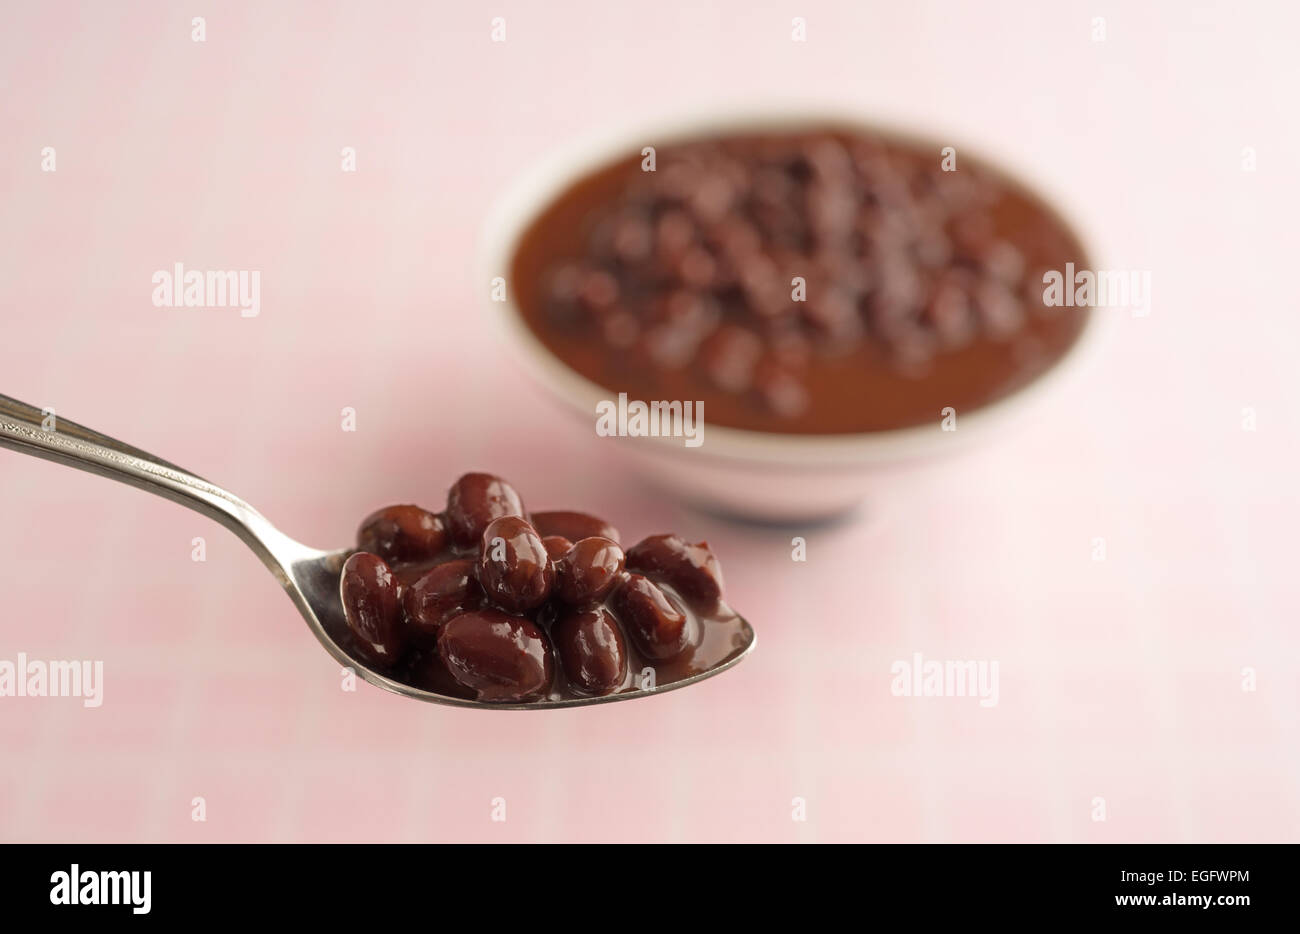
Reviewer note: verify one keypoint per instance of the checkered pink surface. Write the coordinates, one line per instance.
(1121, 679)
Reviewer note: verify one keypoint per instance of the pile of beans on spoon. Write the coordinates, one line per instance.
(485, 600)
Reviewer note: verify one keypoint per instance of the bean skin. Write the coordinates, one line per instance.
(402, 533)
(691, 570)
(574, 526)
(591, 649)
(557, 546)
(655, 624)
(368, 592)
(445, 591)
(500, 657)
(475, 500)
(514, 567)
(588, 571)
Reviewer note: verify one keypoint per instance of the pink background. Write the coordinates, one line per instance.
(1119, 678)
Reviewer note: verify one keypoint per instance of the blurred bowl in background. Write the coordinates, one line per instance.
(750, 474)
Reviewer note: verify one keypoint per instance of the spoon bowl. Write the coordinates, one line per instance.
(312, 583)
(310, 576)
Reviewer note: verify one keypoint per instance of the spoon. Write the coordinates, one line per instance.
(309, 575)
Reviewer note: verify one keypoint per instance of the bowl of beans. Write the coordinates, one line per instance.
(827, 298)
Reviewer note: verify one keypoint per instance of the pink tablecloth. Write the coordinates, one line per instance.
(1121, 680)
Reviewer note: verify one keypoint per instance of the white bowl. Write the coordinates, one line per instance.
(754, 474)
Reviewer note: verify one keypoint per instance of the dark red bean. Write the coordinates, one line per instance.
(899, 289)
(950, 316)
(589, 570)
(768, 295)
(445, 591)
(574, 526)
(834, 314)
(697, 269)
(670, 347)
(563, 284)
(830, 159)
(781, 391)
(368, 592)
(557, 546)
(632, 239)
(730, 355)
(999, 311)
(738, 240)
(498, 656)
(514, 567)
(407, 574)
(598, 292)
(691, 570)
(1003, 262)
(654, 622)
(972, 234)
(475, 500)
(675, 232)
(402, 533)
(831, 211)
(711, 198)
(933, 249)
(591, 649)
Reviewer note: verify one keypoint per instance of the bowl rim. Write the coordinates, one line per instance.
(518, 207)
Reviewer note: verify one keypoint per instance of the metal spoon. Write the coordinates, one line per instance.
(309, 575)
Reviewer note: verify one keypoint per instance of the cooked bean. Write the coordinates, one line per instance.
(588, 570)
(658, 627)
(368, 592)
(591, 649)
(474, 501)
(514, 567)
(500, 657)
(691, 570)
(402, 533)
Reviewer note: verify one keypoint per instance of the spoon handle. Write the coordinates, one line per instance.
(30, 430)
